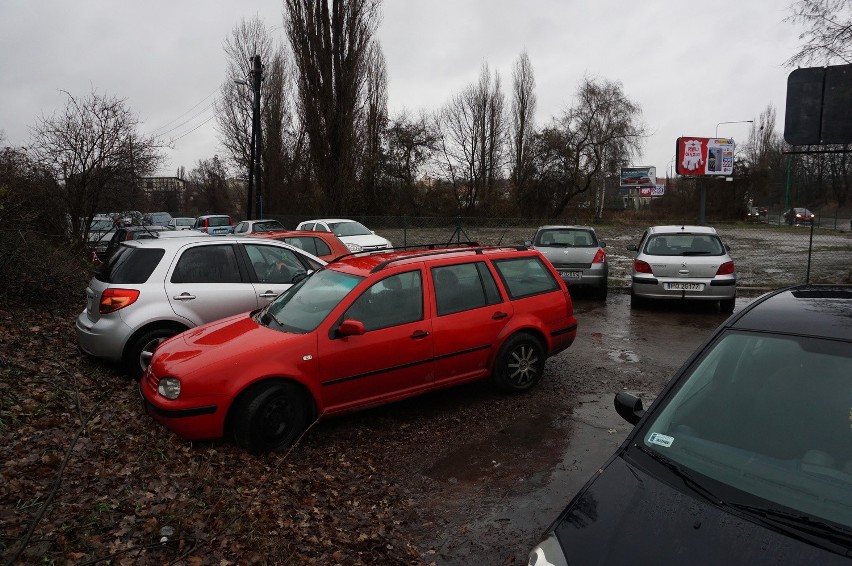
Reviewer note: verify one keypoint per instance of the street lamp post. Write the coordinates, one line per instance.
(734, 122)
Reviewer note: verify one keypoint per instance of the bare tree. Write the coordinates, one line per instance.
(373, 126)
(234, 107)
(473, 128)
(827, 37)
(412, 143)
(330, 41)
(96, 153)
(522, 125)
(572, 154)
(209, 187)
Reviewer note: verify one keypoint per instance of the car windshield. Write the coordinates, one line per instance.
(184, 221)
(566, 237)
(303, 306)
(268, 226)
(768, 415)
(684, 244)
(100, 225)
(349, 229)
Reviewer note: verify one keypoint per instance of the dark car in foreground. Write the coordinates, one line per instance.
(365, 330)
(744, 458)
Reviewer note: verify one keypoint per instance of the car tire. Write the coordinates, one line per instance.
(601, 293)
(727, 305)
(270, 416)
(519, 364)
(138, 355)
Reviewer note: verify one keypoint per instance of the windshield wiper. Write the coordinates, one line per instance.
(800, 523)
(687, 478)
(264, 316)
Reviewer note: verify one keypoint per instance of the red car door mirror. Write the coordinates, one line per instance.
(350, 327)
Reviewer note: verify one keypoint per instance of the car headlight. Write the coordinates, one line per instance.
(548, 553)
(169, 387)
(353, 247)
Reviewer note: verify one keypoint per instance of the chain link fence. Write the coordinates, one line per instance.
(766, 254)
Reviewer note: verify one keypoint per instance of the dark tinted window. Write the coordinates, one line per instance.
(525, 276)
(218, 221)
(207, 264)
(395, 300)
(313, 246)
(463, 287)
(130, 265)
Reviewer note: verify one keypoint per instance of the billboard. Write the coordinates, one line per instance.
(638, 176)
(655, 191)
(705, 156)
(818, 110)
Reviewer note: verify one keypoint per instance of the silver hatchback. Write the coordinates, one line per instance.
(683, 262)
(150, 290)
(577, 255)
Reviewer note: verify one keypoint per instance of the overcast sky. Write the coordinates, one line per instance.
(689, 65)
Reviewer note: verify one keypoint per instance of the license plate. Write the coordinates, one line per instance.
(571, 274)
(684, 286)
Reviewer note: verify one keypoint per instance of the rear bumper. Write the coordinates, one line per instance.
(716, 289)
(104, 338)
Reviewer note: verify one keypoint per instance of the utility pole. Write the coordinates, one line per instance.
(257, 138)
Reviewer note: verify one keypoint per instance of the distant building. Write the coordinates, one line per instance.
(163, 193)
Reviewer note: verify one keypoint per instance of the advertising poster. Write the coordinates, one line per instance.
(705, 156)
(638, 176)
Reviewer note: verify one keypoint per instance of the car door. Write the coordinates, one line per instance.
(273, 269)
(470, 314)
(393, 357)
(206, 284)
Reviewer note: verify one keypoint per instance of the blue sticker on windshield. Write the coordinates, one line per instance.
(660, 439)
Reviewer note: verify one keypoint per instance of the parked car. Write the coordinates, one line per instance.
(157, 218)
(798, 216)
(256, 226)
(182, 223)
(757, 214)
(354, 235)
(152, 289)
(214, 224)
(365, 330)
(324, 245)
(683, 262)
(100, 228)
(105, 248)
(744, 458)
(577, 255)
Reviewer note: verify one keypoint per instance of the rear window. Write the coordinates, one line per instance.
(683, 244)
(129, 265)
(566, 237)
(525, 276)
(219, 221)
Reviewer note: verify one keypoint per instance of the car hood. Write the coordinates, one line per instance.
(236, 339)
(365, 240)
(627, 514)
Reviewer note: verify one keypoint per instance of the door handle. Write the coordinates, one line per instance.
(499, 315)
(418, 334)
(269, 294)
(184, 297)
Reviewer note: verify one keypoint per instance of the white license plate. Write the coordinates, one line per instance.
(571, 274)
(684, 286)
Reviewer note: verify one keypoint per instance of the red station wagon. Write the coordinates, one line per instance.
(365, 330)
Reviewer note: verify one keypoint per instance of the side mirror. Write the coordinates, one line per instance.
(727, 247)
(632, 248)
(350, 327)
(528, 243)
(602, 243)
(629, 407)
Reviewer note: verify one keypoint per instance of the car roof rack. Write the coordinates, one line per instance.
(431, 250)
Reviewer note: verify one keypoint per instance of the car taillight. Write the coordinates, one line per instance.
(115, 299)
(600, 257)
(640, 266)
(206, 223)
(726, 268)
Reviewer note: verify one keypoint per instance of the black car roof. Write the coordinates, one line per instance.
(810, 310)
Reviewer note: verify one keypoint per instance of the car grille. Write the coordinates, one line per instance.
(373, 248)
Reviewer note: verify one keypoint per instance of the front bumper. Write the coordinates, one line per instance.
(195, 418)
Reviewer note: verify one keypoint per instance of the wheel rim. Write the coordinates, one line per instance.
(274, 419)
(148, 352)
(523, 365)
